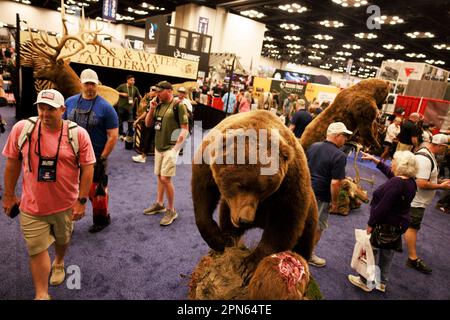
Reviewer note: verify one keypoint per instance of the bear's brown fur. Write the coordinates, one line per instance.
(357, 107)
(281, 203)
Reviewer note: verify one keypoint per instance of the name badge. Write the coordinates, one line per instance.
(130, 100)
(158, 123)
(47, 170)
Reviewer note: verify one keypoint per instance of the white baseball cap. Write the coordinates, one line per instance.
(440, 138)
(338, 127)
(89, 75)
(181, 89)
(51, 97)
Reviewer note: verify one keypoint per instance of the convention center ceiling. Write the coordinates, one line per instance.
(321, 33)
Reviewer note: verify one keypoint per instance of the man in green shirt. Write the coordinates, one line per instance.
(170, 135)
(128, 92)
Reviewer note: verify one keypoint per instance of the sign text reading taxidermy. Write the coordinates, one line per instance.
(127, 59)
(136, 61)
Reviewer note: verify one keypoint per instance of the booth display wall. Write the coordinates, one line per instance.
(321, 92)
(433, 110)
(426, 88)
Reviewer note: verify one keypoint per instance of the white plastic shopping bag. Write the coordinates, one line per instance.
(363, 260)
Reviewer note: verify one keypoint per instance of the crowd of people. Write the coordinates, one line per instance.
(63, 154)
(398, 205)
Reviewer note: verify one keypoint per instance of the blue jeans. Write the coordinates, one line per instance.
(383, 260)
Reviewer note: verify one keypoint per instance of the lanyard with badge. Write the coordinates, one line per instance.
(85, 113)
(130, 96)
(159, 119)
(47, 165)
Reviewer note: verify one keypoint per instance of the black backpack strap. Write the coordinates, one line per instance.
(175, 113)
(429, 158)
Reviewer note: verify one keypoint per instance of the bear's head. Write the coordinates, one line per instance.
(248, 166)
(378, 89)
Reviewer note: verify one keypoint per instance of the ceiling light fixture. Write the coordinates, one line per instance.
(392, 20)
(292, 38)
(434, 62)
(349, 46)
(320, 46)
(393, 46)
(415, 55)
(363, 35)
(420, 35)
(289, 26)
(323, 37)
(331, 24)
(442, 46)
(375, 55)
(293, 8)
(351, 3)
(344, 53)
(252, 14)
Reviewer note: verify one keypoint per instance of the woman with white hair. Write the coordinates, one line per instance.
(389, 214)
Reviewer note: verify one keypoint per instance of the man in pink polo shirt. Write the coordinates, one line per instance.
(54, 193)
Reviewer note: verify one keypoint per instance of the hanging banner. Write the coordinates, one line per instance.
(349, 66)
(203, 25)
(153, 27)
(128, 59)
(109, 10)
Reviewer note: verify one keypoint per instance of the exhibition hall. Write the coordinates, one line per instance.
(225, 151)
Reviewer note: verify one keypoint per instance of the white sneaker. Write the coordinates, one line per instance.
(380, 287)
(316, 261)
(139, 158)
(356, 281)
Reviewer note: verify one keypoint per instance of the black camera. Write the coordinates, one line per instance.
(14, 211)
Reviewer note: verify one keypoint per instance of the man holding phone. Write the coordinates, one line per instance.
(54, 194)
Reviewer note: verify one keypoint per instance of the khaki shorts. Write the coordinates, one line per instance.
(165, 163)
(40, 232)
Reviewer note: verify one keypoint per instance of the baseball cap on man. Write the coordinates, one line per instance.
(181, 89)
(51, 97)
(153, 88)
(89, 75)
(440, 138)
(163, 85)
(338, 127)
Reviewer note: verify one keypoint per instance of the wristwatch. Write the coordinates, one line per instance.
(82, 200)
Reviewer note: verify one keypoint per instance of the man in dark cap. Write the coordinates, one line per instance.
(169, 140)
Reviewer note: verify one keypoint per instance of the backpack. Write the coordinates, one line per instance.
(190, 117)
(72, 135)
(427, 156)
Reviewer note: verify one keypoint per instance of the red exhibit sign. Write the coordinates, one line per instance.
(408, 71)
